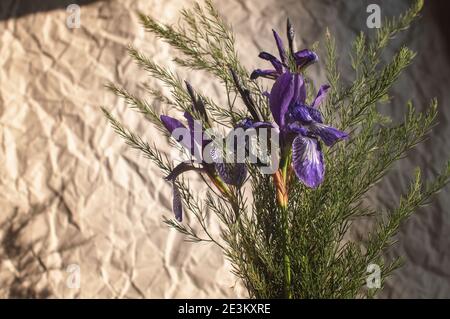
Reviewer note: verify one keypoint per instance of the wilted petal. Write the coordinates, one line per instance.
(281, 97)
(191, 92)
(328, 134)
(307, 160)
(197, 102)
(245, 95)
(290, 35)
(180, 169)
(176, 200)
(321, 95)
(270, 74)
(177, 206)
(201, 108)
(280, 46)
(275, 62)
(305, 57)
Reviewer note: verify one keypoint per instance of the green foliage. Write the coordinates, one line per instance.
(323, 261)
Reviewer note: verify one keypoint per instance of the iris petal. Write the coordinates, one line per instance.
(315, 114)
(170, 123)
(182, 134)
(306, 114)
(305, 57)
(270, 74)
(190, 120)
(297, 128)
(275, 62)
(307, 160)
(248, 123)
(280, 46)
(299, 89)
(281, 96)
(177, 206)
(196, 138)
(321, 95)
(328, 134)
(301, 113)
(231, 173)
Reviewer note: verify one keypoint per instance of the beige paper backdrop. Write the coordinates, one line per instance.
(72, 194)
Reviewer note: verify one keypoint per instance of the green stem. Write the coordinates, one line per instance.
(286, 259)
(286, 234)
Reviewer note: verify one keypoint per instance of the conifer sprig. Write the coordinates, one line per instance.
(324, 262)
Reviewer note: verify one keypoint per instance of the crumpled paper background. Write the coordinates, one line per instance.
(73, 195)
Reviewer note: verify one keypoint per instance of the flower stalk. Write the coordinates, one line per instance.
(281, 183)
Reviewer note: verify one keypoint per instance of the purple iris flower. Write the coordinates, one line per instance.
(301, 126)
(195, 148)
(193, 139)
(301, 59)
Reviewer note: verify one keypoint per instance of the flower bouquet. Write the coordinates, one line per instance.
(288, 178)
